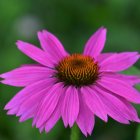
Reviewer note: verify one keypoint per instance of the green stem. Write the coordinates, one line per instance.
(75, 133)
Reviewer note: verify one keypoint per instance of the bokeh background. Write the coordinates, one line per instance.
(73, 22)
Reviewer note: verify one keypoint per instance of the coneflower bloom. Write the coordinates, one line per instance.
(74, 87)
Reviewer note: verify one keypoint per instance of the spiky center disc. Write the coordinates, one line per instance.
(77, 70)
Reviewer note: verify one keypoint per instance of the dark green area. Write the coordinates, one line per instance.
(73, 22)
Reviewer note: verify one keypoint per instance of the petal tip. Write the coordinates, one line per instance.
(41, 130)
(6, 107)
(20, 44)
(102, 28)
(39, 33)
(45, 31)
(65, 124)
(2, 75)
(4, 82)
(137, 120)
(21, 120)
(105, 118)
(71, 125)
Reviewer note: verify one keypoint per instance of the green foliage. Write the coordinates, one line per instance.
(138, 133)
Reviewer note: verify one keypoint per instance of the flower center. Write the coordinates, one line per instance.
(77, 70)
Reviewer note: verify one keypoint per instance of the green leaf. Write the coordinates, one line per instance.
(138, 133)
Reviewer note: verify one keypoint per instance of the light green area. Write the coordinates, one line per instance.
(75, 133)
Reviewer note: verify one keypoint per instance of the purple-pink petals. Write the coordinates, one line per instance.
(47, 97)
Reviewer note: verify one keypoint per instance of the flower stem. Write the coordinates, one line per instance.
(75, 133)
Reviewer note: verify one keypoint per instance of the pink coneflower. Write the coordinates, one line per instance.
(74, 87)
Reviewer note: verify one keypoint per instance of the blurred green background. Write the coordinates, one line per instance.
(73, 22)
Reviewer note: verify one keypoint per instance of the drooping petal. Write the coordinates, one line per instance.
(25, 103)
(96, 43)
(32, 100)
(28, 114)
(114, 107)
(119, 62)
(119, 87)
(123, 107)
(131, 79)
(48, 125)
(48, 104)
(94, 103)
(132, 111)
(13, 111)
(35, 53)
(85, 119)
(24, 76)
(70, 106)
(54, 118)
(29, 91)
(52, 45)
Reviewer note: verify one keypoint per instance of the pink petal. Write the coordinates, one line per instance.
(25, 103)
(28, 114)
(121, 104)
(29, 91)
(52, 45)
(26, 75)
(55, 116)
(32, 100)
(94, 103)
(96, 43)
(131, 79)
(70, 106)
(13, 111)
(114, 107)
(48, 104)
(85, 119)
(49, 124)
(119, 62)
(132, 110)
(103, 56)
(35, 53)
(119, 87)
(53, 119)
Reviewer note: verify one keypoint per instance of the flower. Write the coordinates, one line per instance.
(74, 87)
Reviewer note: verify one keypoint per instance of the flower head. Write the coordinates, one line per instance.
(74, 87)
